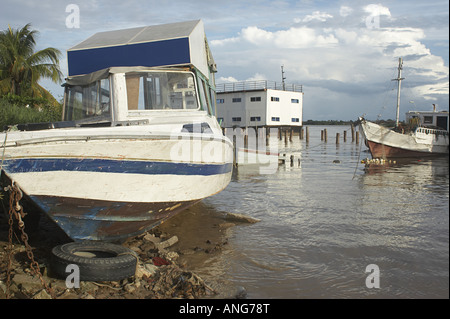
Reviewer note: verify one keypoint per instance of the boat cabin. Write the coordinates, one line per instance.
(126, 76)
(430, 119)
(117, 95)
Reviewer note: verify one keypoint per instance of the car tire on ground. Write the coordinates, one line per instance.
(97, 261)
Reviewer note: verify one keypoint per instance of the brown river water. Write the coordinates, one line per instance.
(326, 223)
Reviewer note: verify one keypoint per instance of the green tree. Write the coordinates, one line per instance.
(21, 67)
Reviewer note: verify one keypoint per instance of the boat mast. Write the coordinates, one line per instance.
(399, 80)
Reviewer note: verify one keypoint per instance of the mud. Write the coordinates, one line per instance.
(168, 257)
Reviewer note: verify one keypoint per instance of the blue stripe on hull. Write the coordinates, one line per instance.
(113, 166)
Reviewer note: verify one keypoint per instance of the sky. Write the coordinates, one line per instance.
(344, 53)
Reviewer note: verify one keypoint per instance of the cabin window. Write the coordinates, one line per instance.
(275, 119)
(87, 101)
(161, 91)
(428, 120)
(295, 101)
(275, 99)
(255, 99)
(255, 119)
(236, 100)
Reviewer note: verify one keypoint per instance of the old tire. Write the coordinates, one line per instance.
(97, 261)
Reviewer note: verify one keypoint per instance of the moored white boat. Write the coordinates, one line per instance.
(425, 136)
(137, 145)
(387, 143)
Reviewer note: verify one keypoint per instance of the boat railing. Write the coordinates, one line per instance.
(427, 130)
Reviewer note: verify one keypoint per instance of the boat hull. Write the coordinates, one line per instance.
(385, 143)
(378, 150)
(85, 219)
(108, 189)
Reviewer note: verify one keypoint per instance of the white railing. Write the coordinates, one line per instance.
(257, 85)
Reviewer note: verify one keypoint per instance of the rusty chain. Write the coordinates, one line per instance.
(16, 210)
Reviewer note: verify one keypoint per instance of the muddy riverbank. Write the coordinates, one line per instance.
(168, 257)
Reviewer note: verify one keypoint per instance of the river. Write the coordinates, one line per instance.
(332, 228)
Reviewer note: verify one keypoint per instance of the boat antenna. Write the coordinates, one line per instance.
(283, 78)
(399, 80)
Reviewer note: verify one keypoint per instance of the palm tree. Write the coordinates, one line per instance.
(21, 68)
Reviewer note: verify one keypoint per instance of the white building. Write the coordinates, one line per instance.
(259, 103)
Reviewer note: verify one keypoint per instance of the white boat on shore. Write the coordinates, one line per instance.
(425, 135)
(139, 141)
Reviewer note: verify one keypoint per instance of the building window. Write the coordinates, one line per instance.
(275, 99)
(236, 99)
(220, 101)
(275, 119)
(255, 119)
(255, 99)
(295, 101)
(295, 119)
(236, 119)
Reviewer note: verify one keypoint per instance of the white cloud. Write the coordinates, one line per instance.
(256, 35)
(377, 10)
(224, 41)
(291, 38)
(257, 77)
(317, 15)
(228, 79)
(345, 11)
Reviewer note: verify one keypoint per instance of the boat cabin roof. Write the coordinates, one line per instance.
(173, 44)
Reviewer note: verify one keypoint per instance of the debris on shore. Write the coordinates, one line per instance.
(160, 274)
(377, 161)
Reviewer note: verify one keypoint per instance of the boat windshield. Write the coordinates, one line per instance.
(87, 101)
(161, 91)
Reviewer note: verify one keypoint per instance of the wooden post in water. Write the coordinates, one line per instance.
(337, 138)
(325, 135)
(357, 137)
(290, 134)
(321, 135)
(307, 135)
(301, 133)
(234, 151)
(345, 136)
(246, 137)
(353, 133)
(267, 135)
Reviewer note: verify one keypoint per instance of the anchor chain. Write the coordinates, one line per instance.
(16, 210)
